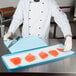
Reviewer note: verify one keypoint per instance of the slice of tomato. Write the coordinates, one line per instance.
(59, 49)
(53, 52)
(30, 57)
(43, 55)
(16, 60)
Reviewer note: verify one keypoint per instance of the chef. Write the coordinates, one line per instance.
(35, 16)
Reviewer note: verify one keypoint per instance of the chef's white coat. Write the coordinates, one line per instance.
(36, 17)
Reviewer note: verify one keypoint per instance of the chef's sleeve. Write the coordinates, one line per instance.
(17, 18)
(61, 19)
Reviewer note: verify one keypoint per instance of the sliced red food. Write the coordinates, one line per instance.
(43, 55)
(30, 57)
(59, 49)
(53, 52)
(16, 60)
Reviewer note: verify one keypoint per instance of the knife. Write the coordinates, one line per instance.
(13, 42)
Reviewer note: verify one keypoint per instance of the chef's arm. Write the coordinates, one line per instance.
(61, 19)
(17, 18)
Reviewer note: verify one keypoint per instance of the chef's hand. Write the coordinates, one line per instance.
(68, 43)
(7, 36)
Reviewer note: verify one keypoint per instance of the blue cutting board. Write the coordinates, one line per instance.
(28, 43)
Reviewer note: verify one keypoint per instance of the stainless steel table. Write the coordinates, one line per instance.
(67, 65)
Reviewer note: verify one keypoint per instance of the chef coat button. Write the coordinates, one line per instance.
(38, 34)
(29, 26)
(60, 10)
(30, 1)
(40, 20)
(39, 27)
(29, 18)
(29, 34)
(43, 3)
(41, 11)
(29, 10)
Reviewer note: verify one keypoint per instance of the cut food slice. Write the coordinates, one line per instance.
(30, 57)
(43, 55)
(59, 49)
(16, 60)
(53, 52)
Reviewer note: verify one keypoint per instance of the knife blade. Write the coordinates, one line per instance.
(13, 42)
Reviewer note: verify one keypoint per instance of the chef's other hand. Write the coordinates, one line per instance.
(68, 43)
(7, 36)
